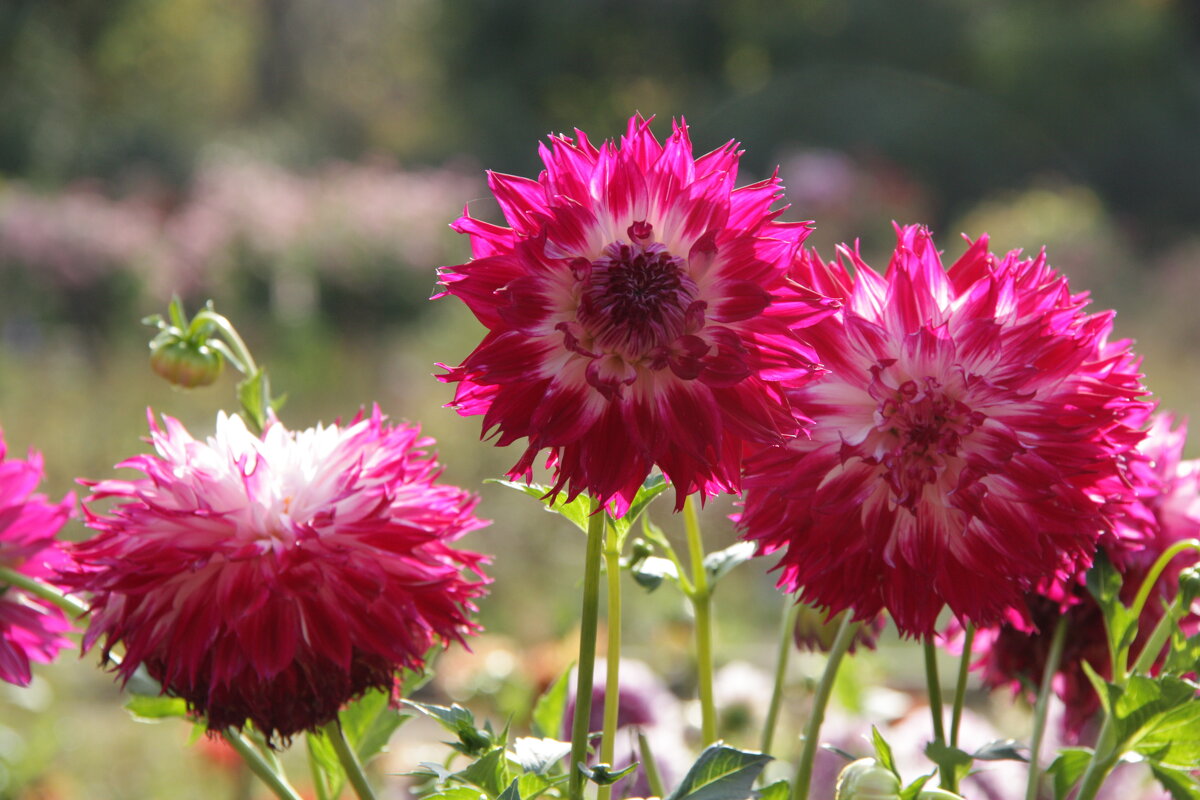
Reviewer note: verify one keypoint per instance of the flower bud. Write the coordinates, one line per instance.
(1189, 586)
(867, 779)
(184, 362)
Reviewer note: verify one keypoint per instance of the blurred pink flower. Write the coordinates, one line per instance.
(639, 314)
(274, 578)
(969, 438)
(31, 629)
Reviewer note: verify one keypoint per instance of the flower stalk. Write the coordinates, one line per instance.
(812, 731)
(612, 658)
(274, 780)
(1042, 706)
(790, 612)
(355, 773)
(701, 599)
(588, 624)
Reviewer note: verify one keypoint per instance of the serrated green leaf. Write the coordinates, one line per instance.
(1140, 705)
(779, 790)
(1183, 657)
(883, 752)
(328, 775)
(950, 760)
(1172, 738)
(718, 563)
(1001, 750)
(650, 572)
(1068, 768)
(547, 718)
(577, 511)
(721, 773)
(489, 772)
(146, 708)
(539, 755)
(530, 784)
(452, 718)
(369, 723)
(1180, 783)
(513, 792)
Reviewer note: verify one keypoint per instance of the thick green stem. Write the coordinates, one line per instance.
(701, 598)
(612, 658)
(933, 682)
(587, 649)
(1042, 705)
(786, 643)
(349, 760)
(960, 688)
(275, 781)
(812, 731)
(68, 603)
(1104, 758)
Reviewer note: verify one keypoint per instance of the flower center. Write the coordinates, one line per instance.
(635, 298)
(925, 426)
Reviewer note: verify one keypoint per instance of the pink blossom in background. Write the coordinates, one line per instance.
(31, 629)
(969, 438)
(274, 578)
(638, 314)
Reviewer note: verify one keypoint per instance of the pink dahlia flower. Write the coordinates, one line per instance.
(274, 578)
(31, 629)
(639, 314)
(1015, 654)
(969, 438)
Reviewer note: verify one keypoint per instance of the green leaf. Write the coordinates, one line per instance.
(1180, 783)
(1001, 750)
(547, 718)
(1184, 656)
(1104, 584)
(1068, 768)
(326, 767)
(651, 488)
(513, 792)
(254, 394)
(950, 760)
(369, 723)
(779, 790)
(147, 708)
(911, 791)
(883, 752)
(721, 773)
(489, 772)
(1172, 738)
(650, 572)
(718, 563)
(457, 793)
(1141, 704)
(539, 755)
(471, 740)
(604, 775)
(530, 784)
(577, 511)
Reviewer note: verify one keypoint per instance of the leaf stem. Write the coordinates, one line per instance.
(73, 606)
(349, 760)
(1139, 600)
(960, 687)
(1042, 706)
(701, 598)
(812, 731)
(274, 780)
(587, 649)
(612, 657)
(650, 767)
(786, 628)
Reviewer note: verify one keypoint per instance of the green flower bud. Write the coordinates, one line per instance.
(867, 779)
(1189, 586)
(184, 362)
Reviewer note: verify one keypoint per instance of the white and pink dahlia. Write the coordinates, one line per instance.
(969, 442)
(31, 629)
(639, 314)
(274, 578)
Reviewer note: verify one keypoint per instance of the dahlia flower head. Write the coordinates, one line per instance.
(31, 629)
(1015, 654)
(639, 314)
(274, 578)
(969, 438)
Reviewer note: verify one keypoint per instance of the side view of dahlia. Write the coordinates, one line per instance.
(639, 314)
(274, 578)
(969, 442)
(1015, 654)
(31, 629)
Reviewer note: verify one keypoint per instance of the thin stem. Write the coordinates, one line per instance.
(1104, 758)
(960, 688)
(786, 628)
(812, 731)
(1042, 706)
(349, 760)
(935, 690)
(275, 781)
(650, 767)
(612, 658)
(1158, 637)
(587, 649)
(68, 603)
(240, 352)
(1139, 601)
(701, 599)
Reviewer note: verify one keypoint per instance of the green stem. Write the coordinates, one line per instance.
(612, 658)
(1104, 758)
(1042, 706)
(68, 603)
(786, 643)
(812, 731)
(935, 690)
(650, 767)
(1158, 637)
(1139, 601)
(275, 781)
(587, 649)
(960, 688)
(701, 598)
(349, 760)
(238, 353)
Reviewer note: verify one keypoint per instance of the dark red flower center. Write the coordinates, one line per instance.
(635, 298)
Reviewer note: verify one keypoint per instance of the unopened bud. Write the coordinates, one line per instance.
(867, 779)
(184, 362)
(1189, 586)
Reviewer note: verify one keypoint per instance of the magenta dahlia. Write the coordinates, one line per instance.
(969, 438)
(274, 578)
(639, 314)
(31, 629)
(1015, 654)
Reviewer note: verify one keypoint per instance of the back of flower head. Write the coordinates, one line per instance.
(268, 576)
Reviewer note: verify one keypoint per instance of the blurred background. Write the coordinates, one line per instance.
(299, 161)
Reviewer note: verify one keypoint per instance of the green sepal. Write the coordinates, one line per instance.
(721, 773)
(1001, 750)
(950, 760)
(883, 752)
(604, 775)
(548, 711)
(1068, 768)
(151, 708)
(915, 788)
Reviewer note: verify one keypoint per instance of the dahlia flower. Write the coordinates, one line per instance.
(31, 629)
(969, 438)
(1015, 654)
(274, 578)
(639, 314)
